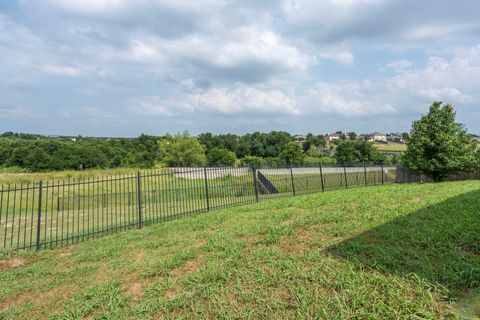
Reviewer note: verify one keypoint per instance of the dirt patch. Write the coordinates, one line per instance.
(301, 239)
(190, 266)
(65, 254)
(471, 250)
(283, 295)
(39, 298)
(289, 246)
(199, 243)
(139, 256)
(194, 264)
(103, 274)
(171, 293)
(294, 216)
(175, 312)
(468, 306)
(134, 288)
(11, 263)
(251, 238)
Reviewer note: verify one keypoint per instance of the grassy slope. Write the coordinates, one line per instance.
(399, 251)
(12, 177)
(391, 146)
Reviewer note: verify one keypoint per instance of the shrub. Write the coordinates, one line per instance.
(438, 146)
(221, 157)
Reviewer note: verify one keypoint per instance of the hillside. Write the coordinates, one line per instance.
(379, 252)
(391, 147)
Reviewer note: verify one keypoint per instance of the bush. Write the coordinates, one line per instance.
(249, 161)
(221, 157)
(292, 153)
(359, 151)
(182, 150)
(317, 160)
(438, 146)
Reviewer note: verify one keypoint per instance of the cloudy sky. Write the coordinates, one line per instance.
(125, 67)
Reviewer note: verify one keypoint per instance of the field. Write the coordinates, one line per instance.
(74, 210)
(386, 252)
(391, 146)
(12, 176)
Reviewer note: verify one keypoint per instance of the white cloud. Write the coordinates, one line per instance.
(445, 94)
(340, 56)
(453, 80)
(60, 70)
(378, 21)
(90, 7)
(224, 101)
(96, 113)
(350, 99)
(240, 58)
(399, 65)
(437, 30)
(153, 106)
(247, 54)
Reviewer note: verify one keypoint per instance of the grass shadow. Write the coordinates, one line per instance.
(440, 243)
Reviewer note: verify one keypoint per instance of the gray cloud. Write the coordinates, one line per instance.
(391, 22)
(300, 64)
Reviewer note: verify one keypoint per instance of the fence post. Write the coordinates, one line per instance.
(321, 176)
(255, 187)
(345, 172)
(365, 172)
(293, 183)
(39, 217)
(382, 175)
(206, 188)
(139, 199)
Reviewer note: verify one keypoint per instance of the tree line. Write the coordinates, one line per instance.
(40, 153)
(37, 153)
(437, 146)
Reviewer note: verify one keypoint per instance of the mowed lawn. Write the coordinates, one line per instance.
(391, 146)
(391, 252)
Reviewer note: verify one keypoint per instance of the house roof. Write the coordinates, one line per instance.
(376, 134)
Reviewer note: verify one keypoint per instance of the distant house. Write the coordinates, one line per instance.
(332, 137)
(300, 138)
(476, 138)
(377, 136)
(395, 137)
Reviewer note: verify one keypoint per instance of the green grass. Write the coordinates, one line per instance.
(391, 146)
(392, 252)
(82, 207)
(308, 183)
(73, 210)
(21, 176)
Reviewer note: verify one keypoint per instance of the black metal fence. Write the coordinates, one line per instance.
(53, 213)
(405, 175)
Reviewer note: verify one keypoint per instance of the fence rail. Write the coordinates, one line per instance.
(54, 213)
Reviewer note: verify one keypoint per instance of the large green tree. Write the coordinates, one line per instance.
(357, 151)
(182, 150)
(313, 141)
(292, 153)
(346, 152)
(439, 146)
(221, 157)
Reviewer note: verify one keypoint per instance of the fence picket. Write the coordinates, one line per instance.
(64, 211)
